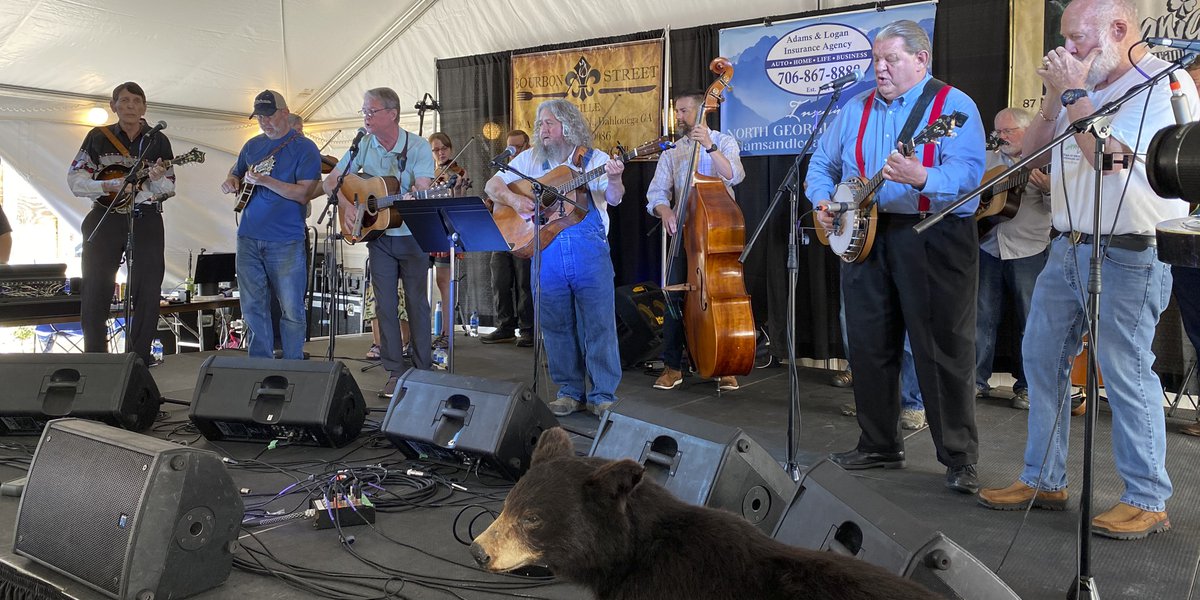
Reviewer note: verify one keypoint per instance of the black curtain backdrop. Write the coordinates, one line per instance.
(970, 52)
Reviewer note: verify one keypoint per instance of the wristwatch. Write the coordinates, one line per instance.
(712, 148)
(1070, 96)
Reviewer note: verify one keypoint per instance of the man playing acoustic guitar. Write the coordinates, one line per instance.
(577, 300)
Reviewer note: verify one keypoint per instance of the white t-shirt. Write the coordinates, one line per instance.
(1141, 209)
(535, 168)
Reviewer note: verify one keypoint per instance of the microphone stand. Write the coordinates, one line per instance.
(128, 188)
(427, 103)
(535, 280)
(1098, 124)
(329, 259)
(792, 184)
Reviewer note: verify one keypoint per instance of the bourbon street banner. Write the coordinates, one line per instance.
(618, 88)
(776, 96)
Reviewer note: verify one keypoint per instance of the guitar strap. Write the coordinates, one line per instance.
(935, 91)
(115, 142)
(292, 135)
(582, 158)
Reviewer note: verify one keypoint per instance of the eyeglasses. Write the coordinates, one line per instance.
(1009, 131)
(370, 112)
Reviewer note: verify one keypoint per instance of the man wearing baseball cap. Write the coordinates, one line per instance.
(283, 166)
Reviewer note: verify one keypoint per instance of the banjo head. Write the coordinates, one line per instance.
(1179, 241)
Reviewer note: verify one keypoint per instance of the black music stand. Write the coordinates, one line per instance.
(452, 225)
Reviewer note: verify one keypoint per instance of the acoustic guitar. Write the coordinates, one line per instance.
(556, 213)
(365, 204)
(120, 172)
(853, 231)
(1001, 201)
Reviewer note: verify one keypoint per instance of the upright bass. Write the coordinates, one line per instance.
(717, 317)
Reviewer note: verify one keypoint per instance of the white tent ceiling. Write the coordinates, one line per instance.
(201, 63)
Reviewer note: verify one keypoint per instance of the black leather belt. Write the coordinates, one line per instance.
(1126, 241)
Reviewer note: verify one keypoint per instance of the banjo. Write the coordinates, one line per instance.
(853, 231)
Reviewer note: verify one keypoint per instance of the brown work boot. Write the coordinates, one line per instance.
(1127, 522)
(727, 383)
(1017, 495)
(670, 379)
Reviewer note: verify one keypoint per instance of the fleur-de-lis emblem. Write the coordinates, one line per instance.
(581, 78)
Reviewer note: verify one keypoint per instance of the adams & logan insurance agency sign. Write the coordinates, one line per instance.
(776, 97)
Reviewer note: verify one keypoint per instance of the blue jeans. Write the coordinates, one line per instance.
(578, 314)
(996, 276)
(910, 390)
(269, 269)
(1136, 288)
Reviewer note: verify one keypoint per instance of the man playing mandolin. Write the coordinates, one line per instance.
(577, 301)
(270, 242)
(392, 151)
(923, 283)
(119, 145)
(721, 158)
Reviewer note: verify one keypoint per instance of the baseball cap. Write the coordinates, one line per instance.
(267, 102)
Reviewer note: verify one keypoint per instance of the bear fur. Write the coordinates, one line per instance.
(597, 523)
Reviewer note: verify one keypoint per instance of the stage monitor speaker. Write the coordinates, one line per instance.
(261, 399)
(114, 388)
(833, 511)
(700, 462)
(463, 419)
(132, 516)
(640, 308)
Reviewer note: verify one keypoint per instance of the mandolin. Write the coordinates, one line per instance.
(247, 189)
(557, 214)
(365, 204)
(120, 172)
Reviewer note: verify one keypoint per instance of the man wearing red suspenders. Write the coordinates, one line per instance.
(925, 283)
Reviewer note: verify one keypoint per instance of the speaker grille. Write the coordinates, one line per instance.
(91, 539)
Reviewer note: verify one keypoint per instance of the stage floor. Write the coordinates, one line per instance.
(422, 558)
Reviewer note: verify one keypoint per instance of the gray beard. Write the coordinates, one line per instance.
(1104, 64)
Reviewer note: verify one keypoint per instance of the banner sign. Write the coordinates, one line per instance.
(780, 68)
(618, 88)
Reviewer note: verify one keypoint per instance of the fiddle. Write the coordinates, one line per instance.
(328, 163)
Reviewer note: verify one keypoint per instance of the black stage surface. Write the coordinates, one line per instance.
(416, 548)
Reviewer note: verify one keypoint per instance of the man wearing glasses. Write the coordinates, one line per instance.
(1011, 256)
(390, 150)
(271, 262)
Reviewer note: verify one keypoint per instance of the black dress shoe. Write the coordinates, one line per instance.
(962, 479)
(857, 459)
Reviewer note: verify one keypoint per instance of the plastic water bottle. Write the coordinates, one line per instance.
(474, 324)
(156, 350)
(437, 319)
(439, 358)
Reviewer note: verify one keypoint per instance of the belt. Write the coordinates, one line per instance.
(1125, 241)
(138, 209)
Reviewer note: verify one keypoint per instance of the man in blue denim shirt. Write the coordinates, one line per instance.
(270, 243)
(577, 300)
(925, 283)
(1095, 66)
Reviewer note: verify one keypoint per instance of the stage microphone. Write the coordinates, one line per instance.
(1179, 102)
(508, 152)
(362, 131)
(994, 141)
(850, 78)
(161, 125)
(1185, 45)
(837, 208)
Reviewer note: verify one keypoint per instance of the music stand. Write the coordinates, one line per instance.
(452, 225)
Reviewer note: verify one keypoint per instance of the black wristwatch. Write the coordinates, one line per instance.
(712, 148)
(1070, 96)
